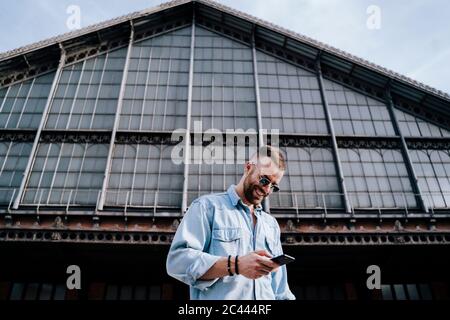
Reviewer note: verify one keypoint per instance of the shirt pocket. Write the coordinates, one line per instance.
(226, 241)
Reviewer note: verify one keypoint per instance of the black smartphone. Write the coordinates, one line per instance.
(283, 259)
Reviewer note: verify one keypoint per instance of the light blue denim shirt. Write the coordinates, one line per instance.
(218, 225)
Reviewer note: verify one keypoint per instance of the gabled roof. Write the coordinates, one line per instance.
(246, 23)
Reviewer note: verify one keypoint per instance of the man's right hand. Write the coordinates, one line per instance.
(256, 264)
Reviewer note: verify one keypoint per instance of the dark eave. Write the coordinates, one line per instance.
(93, 228)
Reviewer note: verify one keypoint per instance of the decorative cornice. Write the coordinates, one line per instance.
(17, 135)
(165, 238)
(145, 138)
(304, 141)
(75, 136)
(428, 143)
(368, 142)
(28, 73)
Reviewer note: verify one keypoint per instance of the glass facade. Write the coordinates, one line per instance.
(208, 178)
(66, 173)
(157, 83)
(143, 175)
(412, 126)
(13, 160)
(87, 92)
(310, 181)
(223, 87)
(433, 172)
(356, 114)
(22, 104)
(155, 98)
(290, 97)
(376, 178)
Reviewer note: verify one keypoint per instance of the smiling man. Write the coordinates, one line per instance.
(223, 245)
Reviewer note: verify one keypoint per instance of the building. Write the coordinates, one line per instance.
(86, 176)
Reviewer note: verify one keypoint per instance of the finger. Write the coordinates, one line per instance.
(264, 268)
(268, 263)
(261, 273)
(263, 253)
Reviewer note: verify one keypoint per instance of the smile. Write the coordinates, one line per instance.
(258, 193)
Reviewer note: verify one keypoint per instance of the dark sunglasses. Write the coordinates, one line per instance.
(264, 181)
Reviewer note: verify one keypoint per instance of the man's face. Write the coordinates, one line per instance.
(254, 191)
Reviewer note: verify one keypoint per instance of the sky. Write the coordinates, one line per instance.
(410, 37)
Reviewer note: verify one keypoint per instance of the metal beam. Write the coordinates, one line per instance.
(31, 158)
(257, 94)
(404, 149)
(187, 139)
(101, 200)
(266, 203)
(340, 174)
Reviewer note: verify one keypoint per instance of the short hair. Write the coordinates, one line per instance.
(275, 154)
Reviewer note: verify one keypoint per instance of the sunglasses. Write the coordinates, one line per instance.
(264, 181)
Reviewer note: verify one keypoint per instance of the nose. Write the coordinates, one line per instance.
(266, 189)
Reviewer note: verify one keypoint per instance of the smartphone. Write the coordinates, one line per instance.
(283, 259)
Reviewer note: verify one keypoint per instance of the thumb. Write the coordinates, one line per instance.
(263, 253)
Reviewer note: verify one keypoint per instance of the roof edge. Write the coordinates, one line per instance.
(91, 28)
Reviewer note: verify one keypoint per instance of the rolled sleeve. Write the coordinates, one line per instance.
(187, 260)
(204, 262)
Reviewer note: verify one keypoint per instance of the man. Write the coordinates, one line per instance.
(224, 243)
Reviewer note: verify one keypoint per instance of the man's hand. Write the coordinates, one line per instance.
(256, 264)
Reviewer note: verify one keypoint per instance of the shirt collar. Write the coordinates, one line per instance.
(235, 199)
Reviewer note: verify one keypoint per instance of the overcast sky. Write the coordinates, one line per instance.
(411, 37)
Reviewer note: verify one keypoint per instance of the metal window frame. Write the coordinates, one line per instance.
(337, 160)
(187, 145)
(31, 158)
(404, 149)
(101, 200)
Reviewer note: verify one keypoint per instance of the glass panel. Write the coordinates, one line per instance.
(309, 182)
(156, 89)
(432, 168)
(144, 175)
(22, 104)
(376, 178)
(66, 172)
(290, 97)
(356, 114)
(87, 92)
(13, 160)
(223, 88)
(414, 126)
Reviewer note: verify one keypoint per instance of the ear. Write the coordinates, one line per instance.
(247, 167)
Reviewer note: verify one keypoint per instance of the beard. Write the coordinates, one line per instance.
(253, 193)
